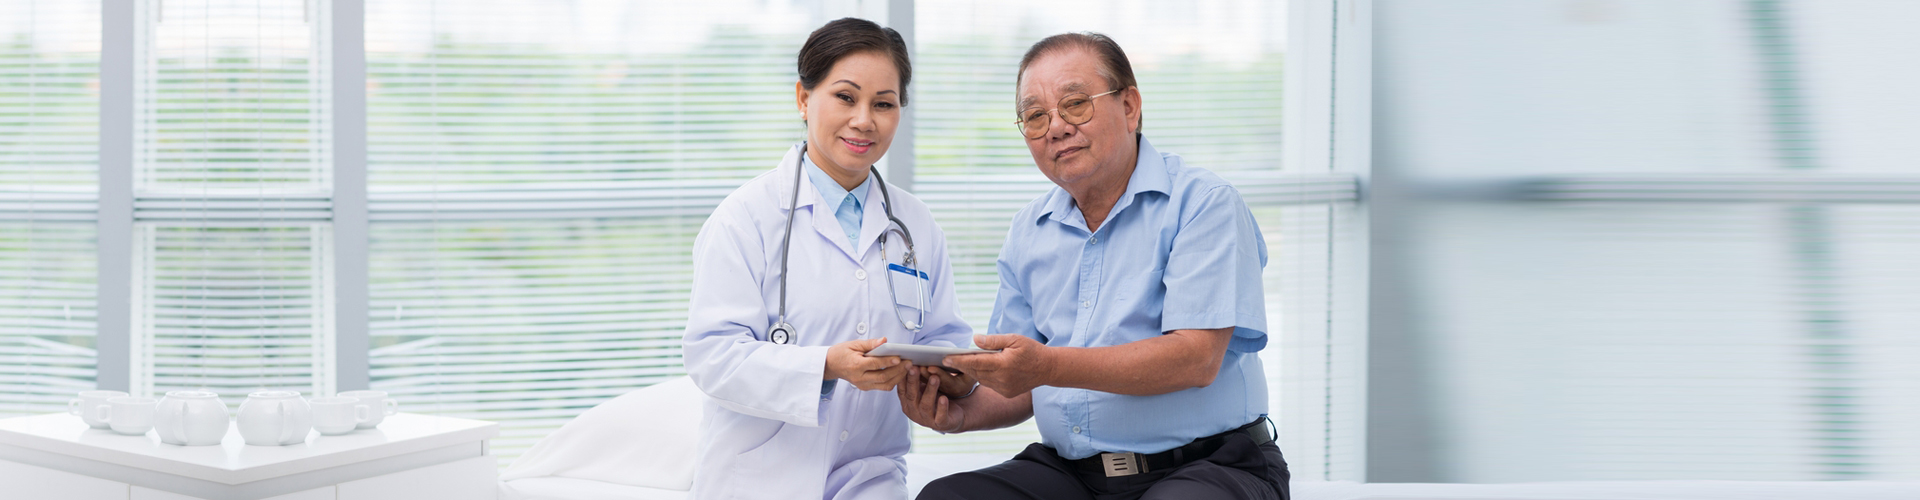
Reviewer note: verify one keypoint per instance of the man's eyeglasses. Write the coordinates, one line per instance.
(1075, 109)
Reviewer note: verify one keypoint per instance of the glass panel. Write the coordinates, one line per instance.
(233, 309)
(231, 98)
(49, 135)
(49, 96)
(538, 173)
(527, 323)
(46, 315)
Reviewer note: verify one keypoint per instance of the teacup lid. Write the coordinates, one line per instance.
(191, 394)
(273, 394)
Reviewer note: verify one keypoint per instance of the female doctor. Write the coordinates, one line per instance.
(803, 270)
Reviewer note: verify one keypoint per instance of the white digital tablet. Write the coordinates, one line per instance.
(923, 355)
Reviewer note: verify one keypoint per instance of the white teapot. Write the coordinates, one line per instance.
(191, 418)
(275, 418)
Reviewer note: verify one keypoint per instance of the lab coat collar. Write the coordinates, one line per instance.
(784, 174)
(873, 218)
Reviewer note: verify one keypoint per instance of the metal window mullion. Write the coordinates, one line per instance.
(114, 219)
(900, 155)
(350, 230)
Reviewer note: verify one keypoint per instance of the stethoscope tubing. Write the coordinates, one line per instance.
(786, 248)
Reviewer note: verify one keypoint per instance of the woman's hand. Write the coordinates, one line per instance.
(848, 361)
(922, 400)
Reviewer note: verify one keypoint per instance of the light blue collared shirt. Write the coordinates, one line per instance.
(1179, 250)
(852, 207)
(852, 204)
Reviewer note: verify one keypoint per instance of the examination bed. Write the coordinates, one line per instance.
(640, 446)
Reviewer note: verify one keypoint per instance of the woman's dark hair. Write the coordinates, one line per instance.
(846, 36)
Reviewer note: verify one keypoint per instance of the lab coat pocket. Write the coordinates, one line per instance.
(791, 463)
(911, 290)
(760, 431)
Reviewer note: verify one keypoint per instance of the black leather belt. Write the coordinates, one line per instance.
(1127, 463)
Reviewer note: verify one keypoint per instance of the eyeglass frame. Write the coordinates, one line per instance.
(1021, 123)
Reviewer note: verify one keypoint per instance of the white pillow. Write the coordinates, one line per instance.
(646, 438)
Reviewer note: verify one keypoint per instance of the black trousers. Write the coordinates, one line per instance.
(1239, 470)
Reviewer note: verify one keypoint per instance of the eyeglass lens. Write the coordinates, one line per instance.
(1075, 109)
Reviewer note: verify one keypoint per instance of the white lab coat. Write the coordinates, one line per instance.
(768, 432)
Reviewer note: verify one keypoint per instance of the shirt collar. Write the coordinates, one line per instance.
(830, 190)
(1149, 175)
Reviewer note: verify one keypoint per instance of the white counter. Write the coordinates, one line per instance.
(236, 471)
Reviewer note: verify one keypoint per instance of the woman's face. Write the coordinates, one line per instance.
(851, 115)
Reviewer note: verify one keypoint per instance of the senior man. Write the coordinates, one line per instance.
(1129, 313)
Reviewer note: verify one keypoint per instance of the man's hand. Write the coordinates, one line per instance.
(848, 361)
(1020, 366)
(952, 384)
(922, 401)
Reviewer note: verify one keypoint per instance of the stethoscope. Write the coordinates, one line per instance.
(782, 332)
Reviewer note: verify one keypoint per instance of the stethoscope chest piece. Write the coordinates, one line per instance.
(781, 333)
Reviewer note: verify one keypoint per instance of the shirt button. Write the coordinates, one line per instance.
(1076, 429)
(862, 327)
(843, 436)
(860, 274)
(1094, 241)
(1086, 303)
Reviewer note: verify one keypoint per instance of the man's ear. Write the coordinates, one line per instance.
(1131, 96)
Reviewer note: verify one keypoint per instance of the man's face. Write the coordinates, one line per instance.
(1069, 154)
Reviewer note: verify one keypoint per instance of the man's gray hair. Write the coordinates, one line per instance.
(1113, 66)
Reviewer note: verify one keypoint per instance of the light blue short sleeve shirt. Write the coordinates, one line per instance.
(1180, 250)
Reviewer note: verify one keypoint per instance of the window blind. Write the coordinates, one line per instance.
(229, 98)
(49, 115)
(232, 308)
(46, 315)
(1210, 77)
(232, 245)
(538, 172)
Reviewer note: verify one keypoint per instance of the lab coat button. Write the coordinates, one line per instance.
(860, 274)
(862, 327)
(843, 436)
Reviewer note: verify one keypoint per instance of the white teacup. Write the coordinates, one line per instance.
(378, 405)
(87, 407)
(130, 415)
(338, 415)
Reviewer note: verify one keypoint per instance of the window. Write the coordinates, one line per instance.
(231, 192)
(535, 175)
(49, 111)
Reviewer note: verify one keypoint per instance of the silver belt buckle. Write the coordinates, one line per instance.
(1123, 464)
